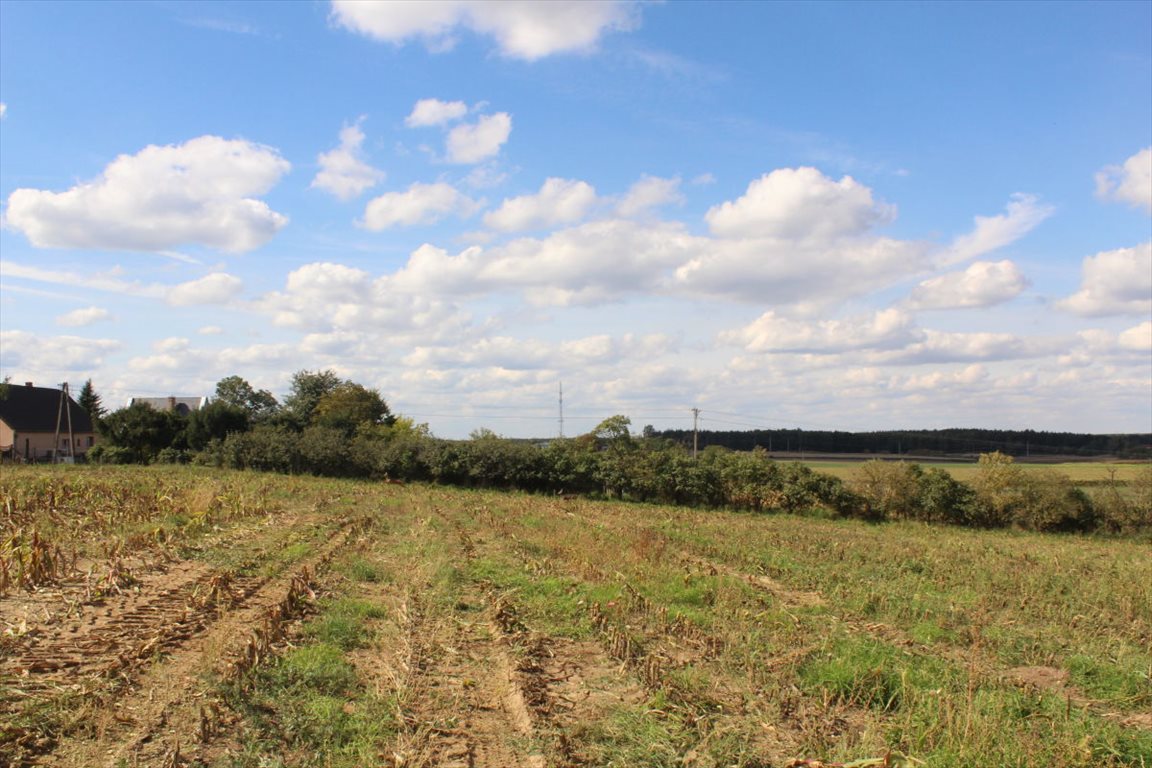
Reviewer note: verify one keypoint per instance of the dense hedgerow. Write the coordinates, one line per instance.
(652, 470)
(336, 428)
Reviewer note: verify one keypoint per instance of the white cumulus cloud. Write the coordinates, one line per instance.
(799, 203)
(327, 282)
(772, 332)
(938, 347)
(947, 381)
(515, 353)
(1129, 183)
(798, 237)
(343, 171)
(1138, 338)
(40, 357)
(419, 204)
(1022, 214)
(474, 142)
(435, 112)
(559, 201)
(79, 318)
(1115, 282)
(591, 263)
(648, 193)
(523, 30)
(982, 284)
(200, 192)
(775, 271)
(333, 300)
(217, 288)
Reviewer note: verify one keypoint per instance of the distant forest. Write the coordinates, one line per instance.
(939, 442)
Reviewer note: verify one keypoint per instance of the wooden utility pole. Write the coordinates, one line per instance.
(695, 431)
(59, 416)
(71, 434)
(64, 407)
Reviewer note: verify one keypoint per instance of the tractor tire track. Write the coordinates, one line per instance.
(137, 659)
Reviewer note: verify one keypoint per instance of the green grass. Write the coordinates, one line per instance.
(635, 736)
(309, 707)
(862, 671)
(1084, 473)
(1120, 680)
(343, 623)
(362, 569)
(558, 604)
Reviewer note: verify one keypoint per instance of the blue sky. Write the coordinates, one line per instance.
(816, 215)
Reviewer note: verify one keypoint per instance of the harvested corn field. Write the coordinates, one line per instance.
(195, 618)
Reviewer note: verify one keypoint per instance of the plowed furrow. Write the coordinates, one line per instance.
(478, 712)
(66, 608)
(162, 713)
(104, 664)
(145, 630)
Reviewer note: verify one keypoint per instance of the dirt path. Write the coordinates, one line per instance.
(472, 713)
(475, 678)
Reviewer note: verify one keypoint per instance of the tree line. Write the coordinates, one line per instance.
(335, 427)
(938, 442)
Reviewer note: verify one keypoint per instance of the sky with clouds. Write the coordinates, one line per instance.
(788, 215)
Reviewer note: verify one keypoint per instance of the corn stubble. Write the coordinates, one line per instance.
(310, 622)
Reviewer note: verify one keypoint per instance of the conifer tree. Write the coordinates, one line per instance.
(90, 401)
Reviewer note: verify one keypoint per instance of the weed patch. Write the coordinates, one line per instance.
(342, 623)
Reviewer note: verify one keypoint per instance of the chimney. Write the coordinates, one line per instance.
(27, 383)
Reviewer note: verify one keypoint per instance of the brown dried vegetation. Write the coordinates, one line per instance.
(175, 624)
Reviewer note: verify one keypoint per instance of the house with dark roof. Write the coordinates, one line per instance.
(42, 423)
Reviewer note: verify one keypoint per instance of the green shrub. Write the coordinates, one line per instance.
(113, 454)
(944, 499)
(891, 488)
(1048, 501)
(1126, 509)
(172, 456)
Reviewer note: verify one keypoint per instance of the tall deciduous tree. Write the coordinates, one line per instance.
(614, 430)
(237, 392)
(350, 406)
(308, 387)
(143, 430)
(215, 421)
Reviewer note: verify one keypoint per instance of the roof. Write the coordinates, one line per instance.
(182, 405)
(34, 409)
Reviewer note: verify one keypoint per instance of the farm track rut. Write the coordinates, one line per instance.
(470, 712)
(135, 662)
(637, 647)
(524, 687)
(482, 716)
(71, 604)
